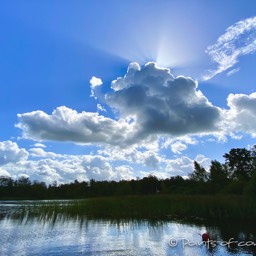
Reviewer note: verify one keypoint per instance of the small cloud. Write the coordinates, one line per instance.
(101, 108)
(39, 145)
(39, 152)
(233, 71)
(23, 175)
(95, 82)
(178, 147)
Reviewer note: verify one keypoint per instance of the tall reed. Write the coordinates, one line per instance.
(218, 208)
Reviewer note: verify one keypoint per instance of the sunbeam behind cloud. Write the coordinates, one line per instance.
(153, 39)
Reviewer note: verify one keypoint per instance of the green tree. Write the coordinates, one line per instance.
(6, 181)
(23, 181)
(199, 173)
(218, 173)
(218, 176)
(240, 163)
(250, 189)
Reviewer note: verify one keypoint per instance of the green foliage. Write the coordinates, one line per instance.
(199, 173)
(218, 176)
(240, 163)
(250, 189)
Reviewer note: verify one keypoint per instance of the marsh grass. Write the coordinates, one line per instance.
(156, 207)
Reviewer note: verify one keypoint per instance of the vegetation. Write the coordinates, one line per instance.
(226, 191)
(152, 207)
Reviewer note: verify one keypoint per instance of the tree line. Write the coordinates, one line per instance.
(237, 175)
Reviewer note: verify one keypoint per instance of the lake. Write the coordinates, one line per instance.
(22, 236)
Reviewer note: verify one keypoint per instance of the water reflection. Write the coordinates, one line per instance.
(65, 234)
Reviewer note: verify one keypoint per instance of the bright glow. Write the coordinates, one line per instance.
(171, 52)
(164, 50)
(155, 41)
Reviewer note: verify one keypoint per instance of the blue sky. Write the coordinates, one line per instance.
(123, 89)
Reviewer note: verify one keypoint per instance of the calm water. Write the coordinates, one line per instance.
(69, 236)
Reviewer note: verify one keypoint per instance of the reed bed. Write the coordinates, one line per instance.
(175, 207)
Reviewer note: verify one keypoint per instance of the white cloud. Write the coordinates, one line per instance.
(39, 152)
(184, 165)
(63, 168)
(124, 172)
(135, 154)
(11, 153)
(4, 173)
(242, 113)
(161, 104)
(178, 147)
(39, 145)
(180, 166)
(121, 82)
(186, 140)
(203, 161)
(154, 110)
(100, 108)
(149, 102)
(65, 124)
(233, 71)
(98, 168)
(239, 40)
(95, 82)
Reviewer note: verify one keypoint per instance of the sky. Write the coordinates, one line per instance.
(112, 90)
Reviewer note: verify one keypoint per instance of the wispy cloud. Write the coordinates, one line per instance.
(233, 71)
(239, 40)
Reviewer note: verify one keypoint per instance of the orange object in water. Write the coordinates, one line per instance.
(205, 237)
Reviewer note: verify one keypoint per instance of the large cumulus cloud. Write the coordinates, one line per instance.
(162, 104)
(148, 101)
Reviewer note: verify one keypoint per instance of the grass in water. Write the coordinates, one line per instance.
(178, 207)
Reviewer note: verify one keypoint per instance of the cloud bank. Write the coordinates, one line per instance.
(108, 164)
